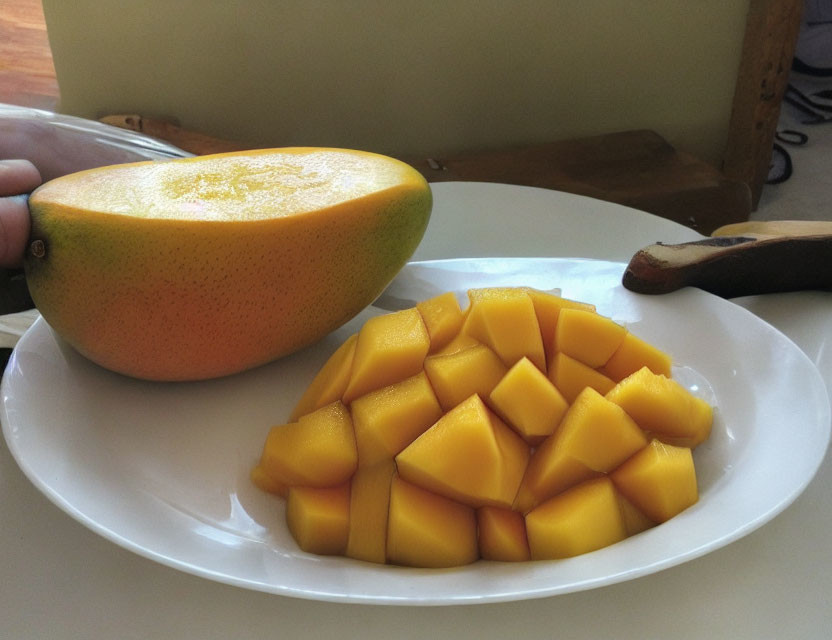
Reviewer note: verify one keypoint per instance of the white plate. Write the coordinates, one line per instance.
(162, 469)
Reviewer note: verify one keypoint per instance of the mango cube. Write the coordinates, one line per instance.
(634, 353)
(547, 306)
(660, 480)
(443, 319)
(390, 347)
(369, 506)
(664, 408)
(390, 418)
(318, 518)
(583, 519)
(316, 451)
(330, 382)
(457, 376)
(460, 342)
(595, 436)
(571, 377)
(469, 455)
(428, 530)
(586, 336)
(505, 320)
(528, 401)
(502, 535)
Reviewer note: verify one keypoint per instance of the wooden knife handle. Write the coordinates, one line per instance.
(736, 265)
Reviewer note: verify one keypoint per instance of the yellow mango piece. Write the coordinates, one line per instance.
(469, 455)
(330, 382)
(265, 482)
(369, 506)
(582, 519)
(460, 342)
(505, 320)
(502, 535)
(457, 376)
(571, 377)
(586, 336)
(634, 520)
(443, 319)
(318, 518)
(595, 436)
(547, 306)
(634, 353)
(664, 408)
(316, 451)
(390, 348)
(528, 401)
(660, 480)
(427, 530)
(390, 418)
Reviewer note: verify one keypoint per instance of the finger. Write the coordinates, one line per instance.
(15, 225)
(18, 176)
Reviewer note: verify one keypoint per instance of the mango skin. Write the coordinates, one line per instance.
(190, 299)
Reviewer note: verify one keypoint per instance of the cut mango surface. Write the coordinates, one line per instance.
(523, 427)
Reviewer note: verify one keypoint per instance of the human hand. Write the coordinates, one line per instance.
(17, 178)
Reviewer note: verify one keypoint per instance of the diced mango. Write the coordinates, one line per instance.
(460, 342)
(369, 504)
(318, 518)
(528, 401)
(571, 377)
(634, 353)
(547, 306)
(390, 348)
(427, 530)
(390, 418)
(599, 433)
(469, 455)
(330, 382)
(457, 376)
(442, 317)
(660, 480)
(502, 535)
(586, 336)
(583, 519)
(664, 408)
(265, 482)
(505, 320)
(316, 451)
(634, 520)
(595, 436)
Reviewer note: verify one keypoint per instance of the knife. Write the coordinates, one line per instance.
(746, 258)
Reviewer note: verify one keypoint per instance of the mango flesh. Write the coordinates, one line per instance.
(202, 267)
(494, 451)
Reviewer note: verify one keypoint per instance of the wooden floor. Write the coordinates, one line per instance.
(27, 75)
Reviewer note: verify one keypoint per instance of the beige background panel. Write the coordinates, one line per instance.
(406, 78)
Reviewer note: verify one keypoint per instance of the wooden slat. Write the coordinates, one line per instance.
(768, 48)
